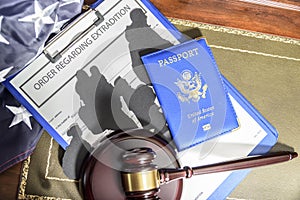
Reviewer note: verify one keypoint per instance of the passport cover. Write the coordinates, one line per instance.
(190, 90)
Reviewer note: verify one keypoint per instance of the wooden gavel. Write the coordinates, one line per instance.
(141, 179)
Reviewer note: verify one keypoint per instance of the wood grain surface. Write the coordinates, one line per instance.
(9, 181)
(272, 17)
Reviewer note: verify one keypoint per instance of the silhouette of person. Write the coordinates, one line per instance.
(102, 107)
(101, 110)
(75, 153)
(141, 37)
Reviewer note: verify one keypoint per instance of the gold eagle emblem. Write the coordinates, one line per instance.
(191, 87)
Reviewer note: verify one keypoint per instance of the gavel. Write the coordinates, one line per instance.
(137, 165)
(141, 179)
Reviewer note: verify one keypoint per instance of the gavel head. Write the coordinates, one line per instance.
(140, 177)
(120, 153)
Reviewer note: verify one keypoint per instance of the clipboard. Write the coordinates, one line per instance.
(97, 34)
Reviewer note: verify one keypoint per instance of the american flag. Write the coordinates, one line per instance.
(25, 26)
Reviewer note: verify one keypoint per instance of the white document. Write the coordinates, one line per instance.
(59, 92)
(237, 144)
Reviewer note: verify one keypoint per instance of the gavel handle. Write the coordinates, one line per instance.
(167, 175)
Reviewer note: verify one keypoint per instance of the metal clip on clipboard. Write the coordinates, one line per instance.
(71, 34)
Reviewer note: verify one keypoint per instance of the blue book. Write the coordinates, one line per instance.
(191, 92)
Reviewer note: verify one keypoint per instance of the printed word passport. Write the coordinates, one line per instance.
(191, 92)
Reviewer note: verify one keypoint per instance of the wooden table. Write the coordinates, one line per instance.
(9, 181)
(280, 17)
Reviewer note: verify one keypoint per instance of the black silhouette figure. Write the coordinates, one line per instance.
(75, 153)
(96, 112)
(108, 107)
(101, 107)
(141, 37)
(86, 87)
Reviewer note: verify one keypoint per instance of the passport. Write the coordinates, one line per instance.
(191, 93)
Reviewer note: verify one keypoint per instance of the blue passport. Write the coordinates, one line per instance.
(191, 92)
